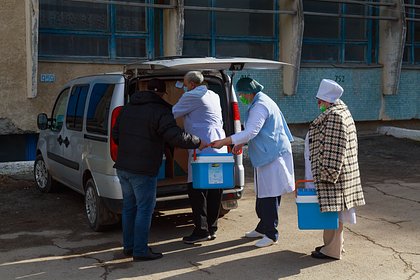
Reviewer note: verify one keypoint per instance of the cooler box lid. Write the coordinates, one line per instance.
(214, 158)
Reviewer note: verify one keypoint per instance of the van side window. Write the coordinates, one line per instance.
(76, 107)
(98, 109)
(57, 116)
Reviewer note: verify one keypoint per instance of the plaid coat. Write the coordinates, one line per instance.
(333, 156)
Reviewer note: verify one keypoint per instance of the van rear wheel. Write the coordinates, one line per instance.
(98, 215)
(44, 182)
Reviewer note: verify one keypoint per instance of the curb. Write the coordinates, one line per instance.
(400, 132)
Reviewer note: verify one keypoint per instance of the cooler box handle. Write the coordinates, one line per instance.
(302, 181)
(229, 148)
(299, 182)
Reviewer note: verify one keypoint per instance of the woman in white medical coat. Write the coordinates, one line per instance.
(270, 152)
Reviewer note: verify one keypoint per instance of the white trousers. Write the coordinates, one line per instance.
(333, 242)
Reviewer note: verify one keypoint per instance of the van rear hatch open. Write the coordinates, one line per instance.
(202, 64)
(173, 186)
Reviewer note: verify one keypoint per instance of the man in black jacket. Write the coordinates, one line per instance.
(141, 130)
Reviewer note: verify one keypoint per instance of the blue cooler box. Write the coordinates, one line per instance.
(161, 173)
(309, 214)
(213, 171)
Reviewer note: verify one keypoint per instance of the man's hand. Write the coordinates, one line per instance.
(203, 145)
(220, 143)
(217, 144)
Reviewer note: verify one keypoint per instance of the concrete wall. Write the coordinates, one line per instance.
(22, 92)
(406, 104)
(364, 87)
(291, 35)
(362, 93)
(391, 46)
(173, 24)
(13, 72)
(17, 111)
(47, 92)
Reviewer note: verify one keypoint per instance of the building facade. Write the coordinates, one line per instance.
(372, 48)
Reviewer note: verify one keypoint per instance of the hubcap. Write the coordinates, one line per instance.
(90, 203)
(41, 174)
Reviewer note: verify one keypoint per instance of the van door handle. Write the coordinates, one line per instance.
(66, 142)
(60, 140)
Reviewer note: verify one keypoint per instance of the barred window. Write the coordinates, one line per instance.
(339, 32)
(222, 33)
(412, 41)
(81, 30)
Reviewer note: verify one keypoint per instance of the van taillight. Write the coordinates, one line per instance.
(112, 146)
(236, 117)
(236, 113)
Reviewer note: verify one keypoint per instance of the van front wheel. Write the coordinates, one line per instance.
(98, 216)
(44, 182)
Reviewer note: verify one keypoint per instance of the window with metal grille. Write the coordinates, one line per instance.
(412, 41)
(84, 29)
(238, 32)
(339, 33)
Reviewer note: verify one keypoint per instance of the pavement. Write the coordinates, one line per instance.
(44, 236)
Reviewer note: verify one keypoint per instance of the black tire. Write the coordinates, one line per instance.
(44, 182)
(98, 215)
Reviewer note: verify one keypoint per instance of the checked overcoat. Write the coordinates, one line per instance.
(333, 155)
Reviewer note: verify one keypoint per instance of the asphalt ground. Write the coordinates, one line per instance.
(45, 236)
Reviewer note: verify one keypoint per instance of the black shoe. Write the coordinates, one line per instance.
(128, 252)
(318, 249)
(195, 238)
(150, 256)
(213, 236)
(319, 255)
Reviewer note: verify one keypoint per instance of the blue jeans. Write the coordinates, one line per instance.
(139, 200)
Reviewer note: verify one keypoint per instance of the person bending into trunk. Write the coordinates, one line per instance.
(202, 113)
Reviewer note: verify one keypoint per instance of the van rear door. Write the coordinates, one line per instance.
(202, 64)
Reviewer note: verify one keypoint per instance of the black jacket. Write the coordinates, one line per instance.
(141, 130)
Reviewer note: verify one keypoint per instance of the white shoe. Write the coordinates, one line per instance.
(265, 242)
(253, 234)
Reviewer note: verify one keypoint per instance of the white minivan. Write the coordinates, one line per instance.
(75, 147)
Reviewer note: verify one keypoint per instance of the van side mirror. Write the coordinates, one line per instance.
(42, 121)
